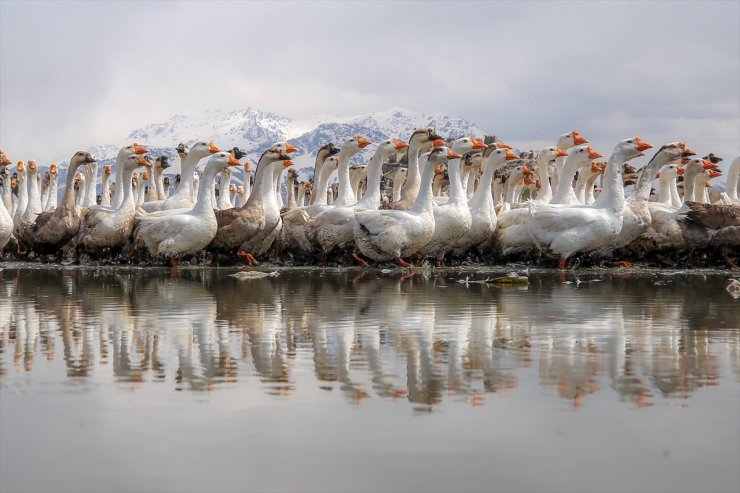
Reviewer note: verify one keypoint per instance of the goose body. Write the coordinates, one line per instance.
(33, 208)
(190, 232)
(581, 228)
(6, 220)
(385, 235)
(105, 229)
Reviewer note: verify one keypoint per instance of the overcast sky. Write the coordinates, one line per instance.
(73, 74)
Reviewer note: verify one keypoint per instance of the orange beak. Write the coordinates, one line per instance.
(685, 150)
(593, 154)
(685, 160)
(309, 185)
(477, 144)
(708, 164)
(642, 145)
(527, 171)
(399, 145)
(213, 148)
(501, 145)
(527, 181)
(595, 168)
(362, 142)
(438, 170)
(438, 143)
(290, 148)
(452, 155)
(578, 139)
(560, 153)
(287, 163)
(681, 170)
(714, 173)
(78, 177)
(139, 149)
(510, 155)
(233, 161)
(145, 175)
(142, 161)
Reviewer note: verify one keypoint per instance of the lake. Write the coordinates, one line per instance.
(147, 379)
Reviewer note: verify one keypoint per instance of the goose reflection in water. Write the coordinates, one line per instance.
(419, 339)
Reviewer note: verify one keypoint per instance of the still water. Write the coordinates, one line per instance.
(118, 379)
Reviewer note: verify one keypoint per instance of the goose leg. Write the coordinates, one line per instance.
(402, 262)
(247, 257)
(359, 260)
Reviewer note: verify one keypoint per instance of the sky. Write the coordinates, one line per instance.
(75, 74)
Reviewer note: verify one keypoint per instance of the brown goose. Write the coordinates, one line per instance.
(52, 230)
(722, 223)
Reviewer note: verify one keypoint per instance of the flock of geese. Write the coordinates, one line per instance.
(455, 198)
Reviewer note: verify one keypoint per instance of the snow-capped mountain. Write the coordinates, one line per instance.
(254, 130)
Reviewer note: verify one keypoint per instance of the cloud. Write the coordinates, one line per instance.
(75, 74)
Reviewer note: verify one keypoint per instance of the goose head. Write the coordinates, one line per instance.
(80, 158)
(20, 168)
(162, 162)
(332, 162)
(238, 153)
(496, 157)
(130, 149)
(423, 139)
(669, 171)
(354, 144)
(32, 166)
(107, 170)
(4, 159)
(292, 174)
(548, 154)
(571, 139)
(695, 166)
(467, 144)
(388, 147)
(134, 161)
(674, 151)
(582, 155)
(53, 168)
(182, 150)
(441, 154)
(703, 178)
(629, 149)
(248, 167)
(221, 160)
(202, 149)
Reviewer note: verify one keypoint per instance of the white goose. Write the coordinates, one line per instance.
(7, 198)
(418, 142)
(21, 201)
(105, 193)
(184, 197)
(33, 208)
(104, 229)
(91, 184)
(6, 220)
(385, 235)
(482, 210)
(586, 180)
(160, 164)
(582, 228)
(188, 233)
(333, 228)
(565, 142)
(667, 189)
(452, 220)
(123, 153)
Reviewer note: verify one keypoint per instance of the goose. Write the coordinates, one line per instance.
(582, 228)
(473, 162)
(223, 188)
(173, 236)
(45, 182)
(232, 194)
(578, 157)
(52, 230)
(185, 196)
(102, 229)
(418, 142)
(150, 186)
(357, 175)
(733, 181)
(239, 225)
(7, 198)
(333, 228)
(123, 153)
(565, 142)
(6, 220)
(701, 185)
(292, 200)
(33, 208)
(90, 170)
(345, 194)
(304, 189)
(452, 220)
(241, 198)
(21, 199)
(79, 191)
(398, 178)
(385, 235)
(105, 193)
(160, 164)
(667, 189)
(636, 216)
(247, 181)
(482, 210)
(324, 151)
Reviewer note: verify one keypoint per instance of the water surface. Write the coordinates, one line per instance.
(115, 379)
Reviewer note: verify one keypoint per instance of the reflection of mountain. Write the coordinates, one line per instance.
(422, 340)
